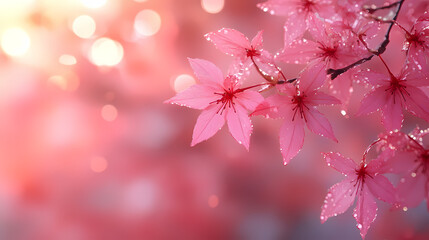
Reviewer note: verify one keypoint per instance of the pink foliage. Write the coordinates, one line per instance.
(297, 105)
(411, 162)
(222, 100)
(365, 182)
(394, 93)
(329, 41)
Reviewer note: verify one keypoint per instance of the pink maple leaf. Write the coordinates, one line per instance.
(392, 94)
(395, 140)
(297, 105)
(331, 48)
(221, 99)
(236, 44)
(328, 47)
(348, 11)
(300, 13)
(411, 161)
(364, 181)
(417, 44)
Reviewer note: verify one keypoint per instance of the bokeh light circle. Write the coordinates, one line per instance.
(59, 81)
(15, 42)
(147, 22)
(93, 3)
(109, 112)
(212, 6)
(84, 26)
(183, 82)
(67, 59)
(106, 52)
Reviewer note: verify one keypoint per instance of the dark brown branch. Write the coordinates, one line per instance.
(336, 72)
(372, 8)
(380, 50)
(287, 81)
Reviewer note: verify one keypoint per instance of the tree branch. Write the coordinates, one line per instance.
(380, 50)
(372, 8)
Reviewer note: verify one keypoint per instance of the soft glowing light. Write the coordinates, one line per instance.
(183, 82)
(106, 52)
(93, 3)
(67, 59)
(343, 112)
(109, 112)
(59, 81)
(213, 201)
(98, 164)
(84, 26)
(8, 4)
(67, 81)
(212, 6)
(147, 22)
(15, 42)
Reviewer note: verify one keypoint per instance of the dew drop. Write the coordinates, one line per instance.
(413, 174)
(359, 226)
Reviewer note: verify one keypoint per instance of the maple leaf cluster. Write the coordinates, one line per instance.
(332, 39)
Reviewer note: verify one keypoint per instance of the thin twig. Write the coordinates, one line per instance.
(380, 50)
(264, 75)
(336, 72)
(270, 78)
(369, 148)
(372, 9)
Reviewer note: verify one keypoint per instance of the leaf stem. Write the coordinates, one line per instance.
(387, 67)
(270, 78)
(264, 75)
(369, 148)
(253, 86)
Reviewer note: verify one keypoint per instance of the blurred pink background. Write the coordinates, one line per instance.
(88, 150)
